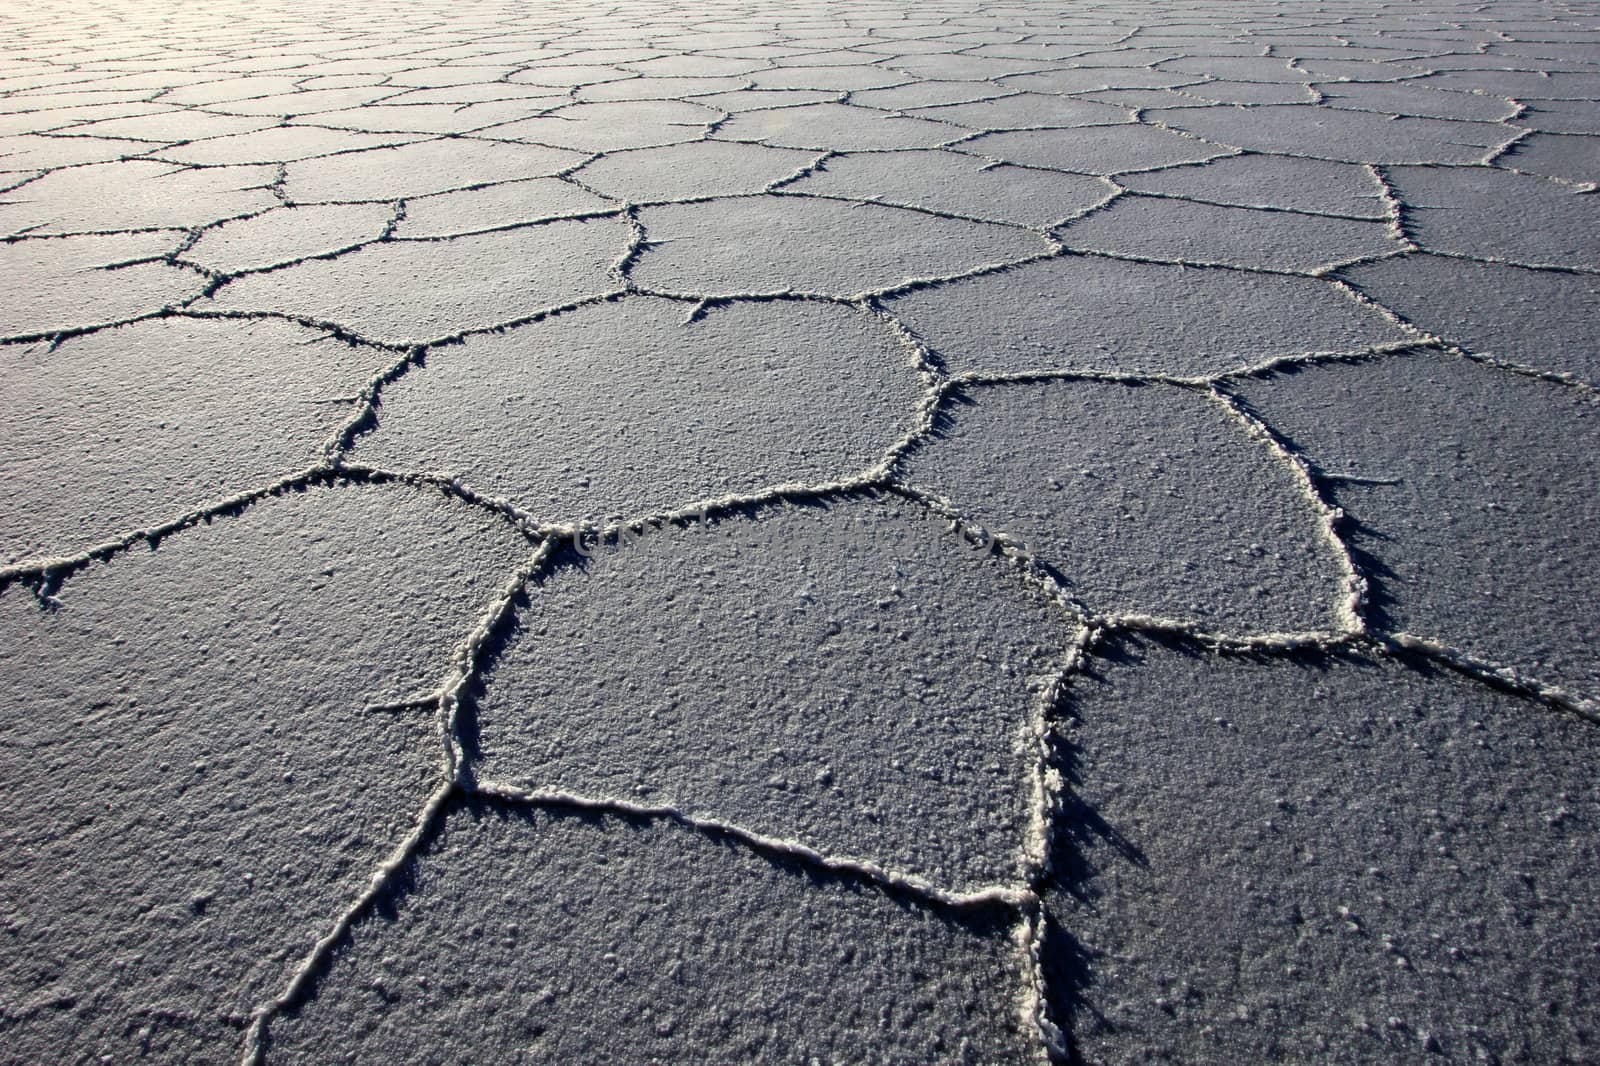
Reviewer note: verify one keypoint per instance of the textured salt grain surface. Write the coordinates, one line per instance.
(798, 532)
(809, 674)
(197, 766)
(736, 246)
(1471, 493)
(948, 183)
(1116, 317)
(119, 430)
(1543, 320)
(1170, 230)
(413, 292)
(1143, 499)
(591, 937)
(287, 234)
(744, 397)
(86, 281)
(1371, 863)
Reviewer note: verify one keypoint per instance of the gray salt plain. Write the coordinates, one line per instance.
(805, 532)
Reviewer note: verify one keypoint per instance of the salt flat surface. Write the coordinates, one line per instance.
(807, 532)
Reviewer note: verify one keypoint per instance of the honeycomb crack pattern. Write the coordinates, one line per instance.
(66, 115)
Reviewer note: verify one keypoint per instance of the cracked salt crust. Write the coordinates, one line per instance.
(1364, 865)
(68, 284)
(1144, 500)
(827, 247)
(810, 673)
(197, 776)
(1471, 496)
(743, 397)
(1540, 320)
(646, 939)
(891, 170)
(685, 171)
(415, 292)
(1111, 316)
(949, 184)
(1164, 229)
(119, 429)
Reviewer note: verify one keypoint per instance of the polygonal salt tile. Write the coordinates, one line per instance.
(281, 144)
(626, 408)
(1247, 92)
(1569, 156)
(1027, 111)
(424, 118)
(646, 939)
(680, 171)
(127, 428)
(705, 39)
(172, 124)
(410, 292)
(1044, 51)
(928, 94)
(656, 88)
(285, 234)
(1182, 230)
(1090, 313)
(690, 65)
(352, 65)
(1255, 68)
(63, 283)
(1548, 320)
(200, 774)
(1332, 859)
(430, 76)
(222, 90)
(532, 97)
(1124, 58)
(1577, 48)
(778, 244)
(1519, 84)
(507, 204)
(134, 194)
(1471, 491)
(608, 127)
(1090, 79)
(305, 101)
(43, 151)
(94, 104)
(835, 78)
(419, 169)
(1094, 149)
(836, 127)
(566, 77)
(1270, 181)
(1343, 65)
(767, 53)
(1561, 116)
(962, 67)
(761, 99)
(1146, 500)
(1417, 100)
(853, 676)
(1343, 136)
(1494, 213)
(599, 51)
(957, 184)
(24, 119)
(829, 49)
(1433, 50)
